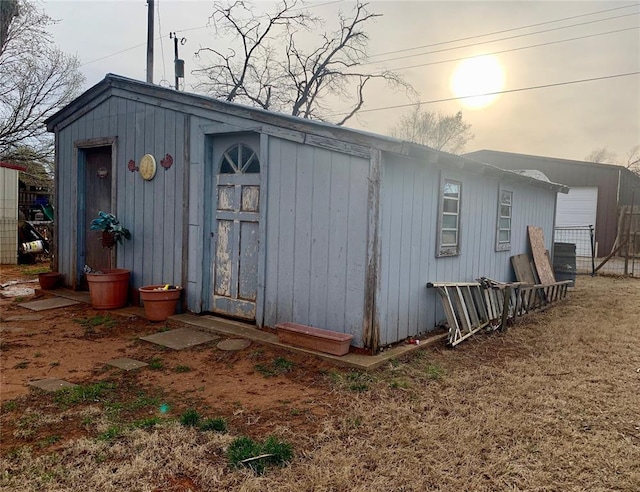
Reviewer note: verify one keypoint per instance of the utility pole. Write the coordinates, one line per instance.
(150, 12)
(178, 63)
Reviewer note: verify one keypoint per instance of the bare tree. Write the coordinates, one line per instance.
(290, 79)
(37, 79)
(602, 155)
(631, 159)
(449, 133)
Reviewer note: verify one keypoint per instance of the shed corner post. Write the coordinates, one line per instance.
(56, 193)
(262, 234)
(371, 323)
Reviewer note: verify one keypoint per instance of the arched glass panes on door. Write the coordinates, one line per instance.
(239, 159)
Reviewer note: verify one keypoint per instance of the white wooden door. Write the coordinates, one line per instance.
(235, 262)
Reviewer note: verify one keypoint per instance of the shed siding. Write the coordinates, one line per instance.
(410, 197)
(316, 238)
(152, 210)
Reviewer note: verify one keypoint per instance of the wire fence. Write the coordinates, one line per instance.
(574, 251)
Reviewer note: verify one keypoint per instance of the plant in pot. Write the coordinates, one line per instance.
(109, 289)
(111, 229)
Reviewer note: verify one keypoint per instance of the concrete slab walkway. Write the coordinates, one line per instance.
(51, 384)
(180, 338)
(126, 364)
(50, 303)
(236, 329)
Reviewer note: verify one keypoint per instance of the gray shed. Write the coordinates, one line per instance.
(271, 218)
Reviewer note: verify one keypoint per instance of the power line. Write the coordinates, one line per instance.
(164, 73)
(504, 30)
(496, 40)
(518, 49)
(429, 45)
(196, 28)
(521, 89)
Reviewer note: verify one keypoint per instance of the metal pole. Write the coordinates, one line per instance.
(593, 253)
(626, 258)
(175, 60)
(150, 11)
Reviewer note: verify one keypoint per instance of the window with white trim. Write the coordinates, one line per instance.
(503, 233)
(449, 223)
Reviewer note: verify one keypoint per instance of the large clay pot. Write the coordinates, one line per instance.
(158, 303)
(109, 289)
(49, 280)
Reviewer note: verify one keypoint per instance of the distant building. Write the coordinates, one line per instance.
(597, 191)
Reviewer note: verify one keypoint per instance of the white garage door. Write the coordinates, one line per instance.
(577, 210)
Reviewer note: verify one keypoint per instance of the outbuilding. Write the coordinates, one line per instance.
(271, 218)
(9, 212)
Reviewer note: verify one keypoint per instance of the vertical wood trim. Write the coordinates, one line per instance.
(262, 229)
(371, 324)
(75, 283)
(186, 161)
(114, 192)
(56, 220)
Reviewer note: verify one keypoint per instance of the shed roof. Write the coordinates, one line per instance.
(15, 167)
(112, 83)
(479, 154)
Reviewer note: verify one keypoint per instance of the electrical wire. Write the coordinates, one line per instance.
(405, 49)
(517, 49)
(503, 31)
(496, 40)
(164, 72)
(521, 89)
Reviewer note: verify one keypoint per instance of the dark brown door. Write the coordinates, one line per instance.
(97, 197)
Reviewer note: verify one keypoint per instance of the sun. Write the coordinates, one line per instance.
(479, 75)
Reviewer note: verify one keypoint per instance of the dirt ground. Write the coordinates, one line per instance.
(73, 343)
(552, 404)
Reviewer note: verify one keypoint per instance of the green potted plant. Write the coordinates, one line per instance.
(109, 289)
(112, 230)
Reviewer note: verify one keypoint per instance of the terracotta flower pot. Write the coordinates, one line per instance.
(109, 289)
(158, 303)
(49, 281)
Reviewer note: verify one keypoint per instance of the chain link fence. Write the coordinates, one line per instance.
(578, 241)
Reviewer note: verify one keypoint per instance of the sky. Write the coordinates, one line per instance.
(565, 121)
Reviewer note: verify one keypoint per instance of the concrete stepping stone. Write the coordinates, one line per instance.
(51, 303)
(17, 291)
(25, 317)
(51, 384)
(233, 344)
(180, 338)
(10, 329)
(126, 364)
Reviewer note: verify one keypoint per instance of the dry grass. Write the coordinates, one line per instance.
(553, 404)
